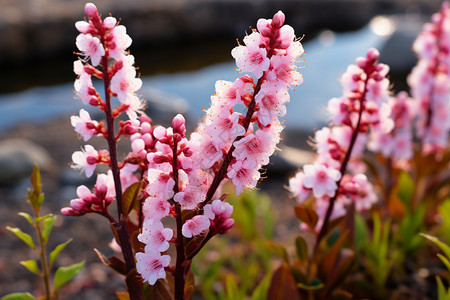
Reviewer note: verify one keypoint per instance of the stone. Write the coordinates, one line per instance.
(17, 159)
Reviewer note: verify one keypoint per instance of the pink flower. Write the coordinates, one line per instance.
(84, 125)
(120, 41)
(218, 208)
(124, 83)
(155, 208)
(83, 26)
(90, 46)
(104, 187)
(84, 201)
(195, 226)
(85, 160)
(155, 235)
(189, 197)
(320, 179)
(206, 150)
(358, 190)
(224, 125)
(151, 265)
(271, 99)
(160, 184)
(297, 188)
(255, 148)
(243, 175)
(283, 71)
(251, 58)
(85, 89)
(109, 23)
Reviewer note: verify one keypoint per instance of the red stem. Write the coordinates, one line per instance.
(220, 175)
(180, 268)
(122, 226)
(324, 229)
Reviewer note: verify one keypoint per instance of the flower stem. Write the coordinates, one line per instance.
(43, 256)
(324, 229)
(122, 226)
(180, 268)
(220, 175)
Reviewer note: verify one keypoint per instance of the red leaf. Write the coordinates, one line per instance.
(283, 286)
(306, 215)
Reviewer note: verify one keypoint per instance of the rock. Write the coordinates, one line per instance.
(17, 159)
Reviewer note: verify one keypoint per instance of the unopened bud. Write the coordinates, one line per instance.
(278, 20)
(91, 160)
(361, 62)
(225, 226)
(178, 125)
(373, 54)
(91, 11)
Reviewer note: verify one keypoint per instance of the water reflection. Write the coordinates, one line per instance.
(326, 58)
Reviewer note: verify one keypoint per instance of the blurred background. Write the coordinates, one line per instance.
(181, 47)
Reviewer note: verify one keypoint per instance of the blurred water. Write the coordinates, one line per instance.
(326, 59)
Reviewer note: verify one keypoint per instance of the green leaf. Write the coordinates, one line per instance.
(302, 249)
(36, 179)
(43, 218)
(279, 250)
(54, 254)
(442, 293)
(444, 247)
(444, 260)
(18, 296)
(27, 217)
(313, 286)
(231, 288)
(31, 265)
(64, 274)
(23, 236)
(405, 188)
(47, 228)
(260, 292)
(129, 197)
(35, 195)
(360, 232)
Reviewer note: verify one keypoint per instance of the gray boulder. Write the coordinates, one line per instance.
(17, 159)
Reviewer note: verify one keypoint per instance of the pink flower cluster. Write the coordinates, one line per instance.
(430, 82)
(186, 175)
(270, 55)
(396, 144)
(363, 106)
(103, 44)
(87, 201)
(180, 178)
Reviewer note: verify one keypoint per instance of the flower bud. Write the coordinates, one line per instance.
(146, 127)
(373, 54)
(278, 20)
(91, 160)
(225, 226)
(91, 11)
